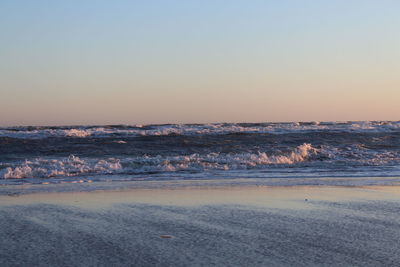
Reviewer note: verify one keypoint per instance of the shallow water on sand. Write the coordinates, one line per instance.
(247, 226)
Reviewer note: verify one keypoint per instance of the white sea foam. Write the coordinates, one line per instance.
(24, 171)
(73, 166)
(120, 142)
(77, 133)
(324, 157)
(200, 129)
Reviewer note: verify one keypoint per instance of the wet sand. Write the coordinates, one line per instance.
(231, 226)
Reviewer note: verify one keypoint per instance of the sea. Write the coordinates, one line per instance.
(314, 153)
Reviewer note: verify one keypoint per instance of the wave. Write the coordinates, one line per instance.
(74, 166)
(304, 157)
(77, 133)
(71, 166)
(198, 129)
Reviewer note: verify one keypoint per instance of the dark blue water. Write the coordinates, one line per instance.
(199, 151)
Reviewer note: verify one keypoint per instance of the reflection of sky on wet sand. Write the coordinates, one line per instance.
(299, 197)
(240, 226)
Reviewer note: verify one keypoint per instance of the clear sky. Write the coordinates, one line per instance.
(111, 62)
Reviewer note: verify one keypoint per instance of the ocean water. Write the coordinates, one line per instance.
(299, 150)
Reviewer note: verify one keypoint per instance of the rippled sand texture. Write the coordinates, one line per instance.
(246, 227)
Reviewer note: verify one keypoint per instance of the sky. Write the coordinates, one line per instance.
(127, 62)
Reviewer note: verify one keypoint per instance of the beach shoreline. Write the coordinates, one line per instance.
(198, 226)
(87, 185)
(195, 194)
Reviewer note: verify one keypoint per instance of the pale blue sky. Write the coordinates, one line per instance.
(102, 62)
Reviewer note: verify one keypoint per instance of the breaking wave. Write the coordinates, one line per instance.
(198, 129)
(199, 151)
(74, 166)
(71, 166)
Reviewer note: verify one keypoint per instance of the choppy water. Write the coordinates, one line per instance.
(199, 151)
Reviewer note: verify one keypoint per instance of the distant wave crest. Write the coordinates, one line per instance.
(198, 129)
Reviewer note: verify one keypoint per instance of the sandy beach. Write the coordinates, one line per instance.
(199, 133)
(229, 226)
